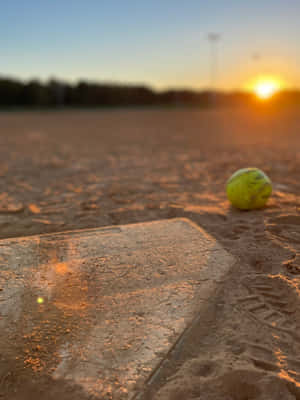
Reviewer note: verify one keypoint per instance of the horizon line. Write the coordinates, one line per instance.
(74, 82)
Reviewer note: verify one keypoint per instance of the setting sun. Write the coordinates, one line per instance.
(265, 86)
(266, 89)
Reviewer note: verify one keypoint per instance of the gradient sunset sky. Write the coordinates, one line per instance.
(162, 43)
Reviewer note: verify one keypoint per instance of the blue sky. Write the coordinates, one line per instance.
(159, 42)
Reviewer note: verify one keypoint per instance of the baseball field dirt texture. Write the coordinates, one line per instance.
(72, 170)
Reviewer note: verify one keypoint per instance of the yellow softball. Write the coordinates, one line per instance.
(248, 188)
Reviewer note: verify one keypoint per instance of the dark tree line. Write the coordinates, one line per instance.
(34, 94)
(14, 93)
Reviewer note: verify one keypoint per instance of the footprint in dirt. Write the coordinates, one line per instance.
(226, 379)
(273, 301)
(286, 228)
(273, 358)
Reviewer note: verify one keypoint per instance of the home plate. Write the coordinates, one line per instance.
(99, 309)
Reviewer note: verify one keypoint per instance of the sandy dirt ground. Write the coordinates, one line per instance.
(68, 170)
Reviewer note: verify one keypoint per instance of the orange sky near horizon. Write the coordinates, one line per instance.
(160, 44)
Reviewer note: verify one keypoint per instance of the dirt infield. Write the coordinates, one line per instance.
(83, 169)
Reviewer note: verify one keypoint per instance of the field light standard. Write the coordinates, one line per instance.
(213, 39)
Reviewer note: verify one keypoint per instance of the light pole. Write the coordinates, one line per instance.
(213, 39)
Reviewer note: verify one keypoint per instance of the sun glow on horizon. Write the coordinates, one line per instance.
(265, 90)
(265, 87)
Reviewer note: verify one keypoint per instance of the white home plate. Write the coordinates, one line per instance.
(98, 309)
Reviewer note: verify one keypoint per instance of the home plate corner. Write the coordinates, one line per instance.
(99, 309)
